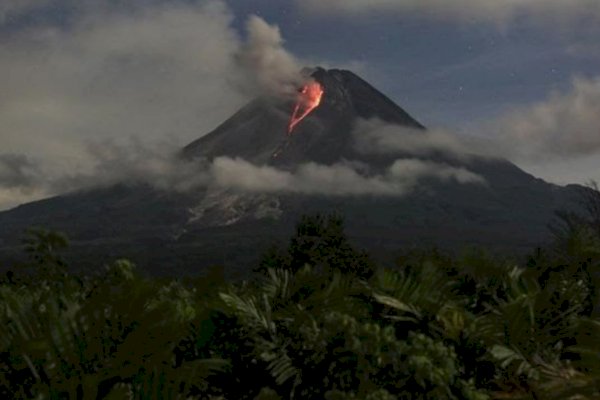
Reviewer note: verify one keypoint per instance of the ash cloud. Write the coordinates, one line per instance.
(157, 72)
(21, 179)
(17, 171)
(153, 70)
(267, 67)
(160, 71)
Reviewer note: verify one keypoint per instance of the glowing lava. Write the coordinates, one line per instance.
(309, 99)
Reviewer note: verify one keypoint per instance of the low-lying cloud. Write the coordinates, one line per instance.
(136, 164)
(566, 125)
(25, 178)
(341, 179)
(17, 171)
(377, 137)
(557, 138)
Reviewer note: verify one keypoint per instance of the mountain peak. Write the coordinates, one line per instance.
(367, 102)
(260, 133)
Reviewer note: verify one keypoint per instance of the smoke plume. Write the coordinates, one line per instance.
(267, 67)
(154, 71)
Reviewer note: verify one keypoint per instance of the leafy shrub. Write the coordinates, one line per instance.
(319, 321)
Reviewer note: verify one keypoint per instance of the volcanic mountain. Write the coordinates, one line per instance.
(173, 233)
(258, 130)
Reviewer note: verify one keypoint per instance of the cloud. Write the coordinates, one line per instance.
(152, 73)
(268, 67)
(74, 96)
(17, 171)
(566, 125)
(334, 180)
(157, 165)
(377, 137)
(557, 138)
(24, 178)
(20, 179)
(412, 170)
(14, 8)
(497, 11)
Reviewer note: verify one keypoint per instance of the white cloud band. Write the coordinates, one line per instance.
(335, 180)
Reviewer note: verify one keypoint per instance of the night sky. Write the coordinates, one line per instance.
(74, 74)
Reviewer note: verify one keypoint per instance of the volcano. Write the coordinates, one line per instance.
(173, 233)
(259, 129)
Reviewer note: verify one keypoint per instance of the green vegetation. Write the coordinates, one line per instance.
(318, 320)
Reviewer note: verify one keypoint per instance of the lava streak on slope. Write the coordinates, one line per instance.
(309, 98)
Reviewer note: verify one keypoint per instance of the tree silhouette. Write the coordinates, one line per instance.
(320, 242)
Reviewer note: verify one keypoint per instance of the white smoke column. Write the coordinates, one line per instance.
(268, 67)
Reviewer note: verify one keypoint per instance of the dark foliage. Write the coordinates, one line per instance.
(320, 242)
(320, 321)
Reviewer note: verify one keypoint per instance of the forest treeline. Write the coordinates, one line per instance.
(317, 320)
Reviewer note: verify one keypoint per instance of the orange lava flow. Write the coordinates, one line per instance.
(309, 99)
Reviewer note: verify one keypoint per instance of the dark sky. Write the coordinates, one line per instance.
(523, 73)
(446, 72)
